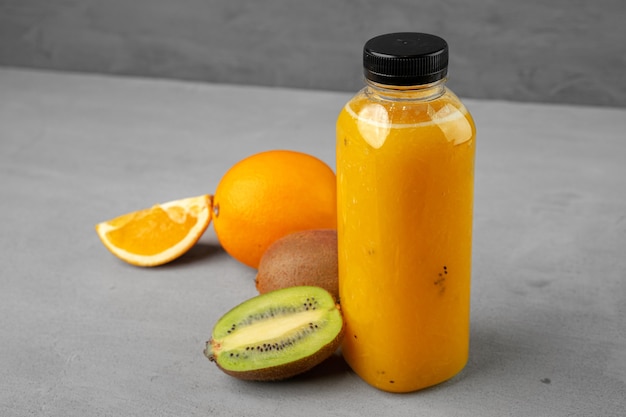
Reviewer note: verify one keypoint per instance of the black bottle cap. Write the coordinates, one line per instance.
(406, 58)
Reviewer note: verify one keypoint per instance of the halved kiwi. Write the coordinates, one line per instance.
(277, 335)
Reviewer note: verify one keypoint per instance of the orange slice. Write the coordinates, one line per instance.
(159, 234)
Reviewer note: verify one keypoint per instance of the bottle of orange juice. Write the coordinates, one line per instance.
(405, 175)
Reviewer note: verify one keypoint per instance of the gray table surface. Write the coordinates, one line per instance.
(84, 334)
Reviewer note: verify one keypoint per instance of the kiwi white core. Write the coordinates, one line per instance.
(270, 329)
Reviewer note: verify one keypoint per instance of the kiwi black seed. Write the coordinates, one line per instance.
(277, 335)
(307, 257)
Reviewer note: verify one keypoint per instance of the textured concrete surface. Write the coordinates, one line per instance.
(83, 334)
(557, 51)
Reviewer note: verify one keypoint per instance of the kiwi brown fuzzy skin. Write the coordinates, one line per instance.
(308, 257)
(286, 371)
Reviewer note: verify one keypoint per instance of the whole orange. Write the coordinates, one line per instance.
(269, 195)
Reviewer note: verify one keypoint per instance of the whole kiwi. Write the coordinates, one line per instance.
(307, 257)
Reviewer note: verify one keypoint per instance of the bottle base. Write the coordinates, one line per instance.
(407, 383)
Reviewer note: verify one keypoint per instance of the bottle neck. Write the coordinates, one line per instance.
(411, 92)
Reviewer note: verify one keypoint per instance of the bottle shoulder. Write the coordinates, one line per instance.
(405, 109)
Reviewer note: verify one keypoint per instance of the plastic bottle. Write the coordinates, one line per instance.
(405, 177)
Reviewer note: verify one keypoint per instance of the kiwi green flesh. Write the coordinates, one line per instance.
(277, 335)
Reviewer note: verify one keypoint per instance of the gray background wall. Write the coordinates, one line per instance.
(556, 51)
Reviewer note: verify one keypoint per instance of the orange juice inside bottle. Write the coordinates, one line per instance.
(405, 164)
